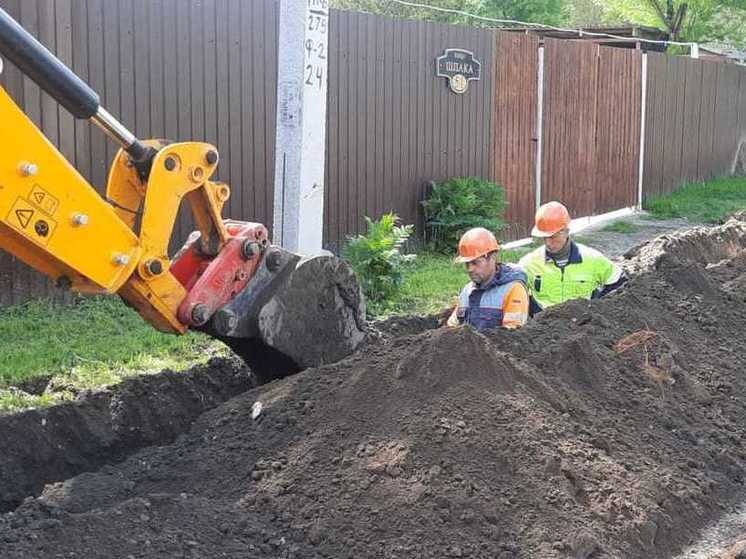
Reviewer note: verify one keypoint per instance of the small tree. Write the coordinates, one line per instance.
(684, 20)
(376, 256)
(458, 204)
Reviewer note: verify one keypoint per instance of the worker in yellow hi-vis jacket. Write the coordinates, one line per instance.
(563, 269)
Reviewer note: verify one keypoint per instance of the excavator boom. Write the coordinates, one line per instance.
(278, 311)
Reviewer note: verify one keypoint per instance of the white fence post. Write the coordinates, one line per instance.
(301, 125)
(643, 112)
(539, 124)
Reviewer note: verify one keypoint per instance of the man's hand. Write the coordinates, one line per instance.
(452, 321)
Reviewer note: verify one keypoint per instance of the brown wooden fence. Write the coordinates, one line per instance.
(695, 121)
(514, 126)
(207, 71)
(392, 124)
(591, 126)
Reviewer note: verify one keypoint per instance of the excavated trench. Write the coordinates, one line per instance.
(104, 427)
(612, 428)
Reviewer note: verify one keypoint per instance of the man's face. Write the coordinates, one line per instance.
(556, 242)
(482, 269)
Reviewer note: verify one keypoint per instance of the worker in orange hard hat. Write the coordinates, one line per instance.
(562, 269)
(497, 294)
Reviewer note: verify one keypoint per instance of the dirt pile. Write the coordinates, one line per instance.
(699, 245)
(612, 428)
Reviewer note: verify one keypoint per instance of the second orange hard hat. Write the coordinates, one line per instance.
(550, 218)
(474, 243)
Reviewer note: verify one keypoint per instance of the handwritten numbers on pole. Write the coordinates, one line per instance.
(316, 47)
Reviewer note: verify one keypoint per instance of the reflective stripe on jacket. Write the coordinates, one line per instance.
(588, 274)
(503, 301)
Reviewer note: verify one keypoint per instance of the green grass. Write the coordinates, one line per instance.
(624, 227)
(95, 342)
(17, 400)
(432, 283)
(99, 341)
(708, 202)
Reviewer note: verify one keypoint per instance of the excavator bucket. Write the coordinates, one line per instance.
(294, 313)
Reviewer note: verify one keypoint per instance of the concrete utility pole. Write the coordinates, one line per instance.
(301, 125)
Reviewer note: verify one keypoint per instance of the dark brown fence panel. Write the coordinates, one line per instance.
(655, 118)
(617, 129)
(392, 125)
(18, 282)
(514, 127)
(204, 72)
(591, 126)
(693, 121)
(741, 128)
(673, 131)
(706, 122)
(726, 119)
(568, 166)
(738, 82)
(692, 108)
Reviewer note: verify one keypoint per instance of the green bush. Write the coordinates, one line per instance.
(458, 204)
(376, 256)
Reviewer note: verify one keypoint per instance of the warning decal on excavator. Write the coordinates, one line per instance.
(44, 199)
(24, 217)
(31, 221)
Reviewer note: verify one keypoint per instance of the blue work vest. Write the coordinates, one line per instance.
(481, 306)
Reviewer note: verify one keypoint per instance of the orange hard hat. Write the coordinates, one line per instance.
(550, 218)
(474, 243)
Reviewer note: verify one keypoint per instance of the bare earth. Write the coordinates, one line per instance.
(615, 245)
(603, 429)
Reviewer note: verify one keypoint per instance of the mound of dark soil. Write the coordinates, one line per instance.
(612, 428)
(701, 245)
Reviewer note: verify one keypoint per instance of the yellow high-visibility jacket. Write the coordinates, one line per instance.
(588, 274)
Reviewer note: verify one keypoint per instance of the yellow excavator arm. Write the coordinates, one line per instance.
(56, 222)
(227, 281)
